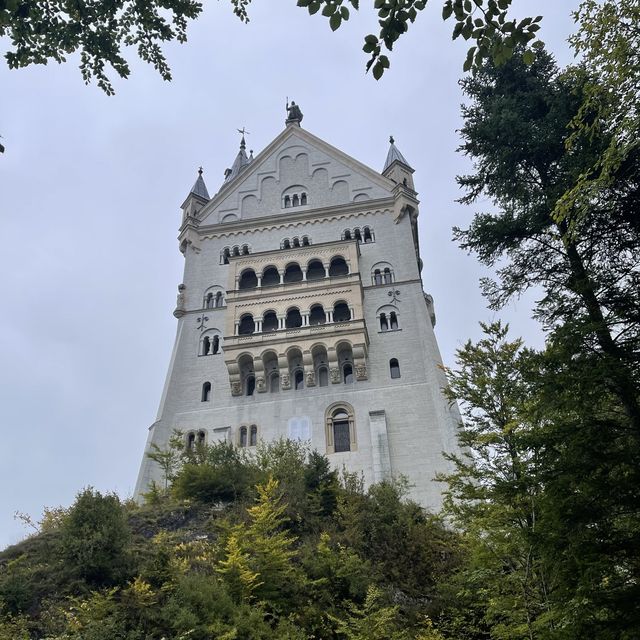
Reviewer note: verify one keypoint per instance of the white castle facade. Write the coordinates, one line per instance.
(302, 315)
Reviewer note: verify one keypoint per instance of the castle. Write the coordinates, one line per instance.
(302, 315)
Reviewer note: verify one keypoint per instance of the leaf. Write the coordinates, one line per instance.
(335, 21)
(447, 10)
(378, 70)
(528, 57)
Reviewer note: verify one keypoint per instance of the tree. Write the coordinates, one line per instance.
(516, 130)
(95, 536)
(43, 30)
(493, 493)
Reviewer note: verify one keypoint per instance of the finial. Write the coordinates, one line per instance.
(200, 171)
(242, 142)
(391, 140)
(250, 154)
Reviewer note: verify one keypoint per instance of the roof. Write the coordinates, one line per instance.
(394, 155)
(199, 187)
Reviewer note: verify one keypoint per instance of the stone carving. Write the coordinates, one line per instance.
(335, 375)
(261, 387)
(293, 113)
(236, 389)
(180, 310)
(285, 383)
(361, 372)
(311, 379)
(202, 322)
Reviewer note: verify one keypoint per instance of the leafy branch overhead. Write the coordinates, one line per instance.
(486, 23)
(43, 30)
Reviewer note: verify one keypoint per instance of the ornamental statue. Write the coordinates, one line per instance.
(293, 113)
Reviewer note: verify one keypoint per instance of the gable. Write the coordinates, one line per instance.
(296, 172)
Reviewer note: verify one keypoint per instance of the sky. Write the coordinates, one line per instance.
(90, 189)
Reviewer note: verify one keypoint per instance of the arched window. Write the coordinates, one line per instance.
(340, 428)
(209, 301)
(393, 318)
(341, 312)
(274, 382)
(305, 240)
(287, 202)
(388, 279)
(377, 277)
(248, 279)
(206, 392)
(296, 242)
(293, 320)
(303, 198)
(253, 435)
(215, 345)
(298, 379)
(236, 251)
(270, 277)
(317, 315)
(191, 440)
(346, 235)
(338, 267)
(206, 346)
(245, 250)
(247, 326)
(269, 322)
(315, 270)
(295, 201)
(293, 273)
(226, 254)
(347, 373)
(286, 243)
(219, 299)
(250, 385)
(394, 368)
(367, 235)
(384, 325)
(243, 436)
(357, 235)
(202, 437)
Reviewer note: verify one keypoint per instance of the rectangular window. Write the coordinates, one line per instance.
(341, 437)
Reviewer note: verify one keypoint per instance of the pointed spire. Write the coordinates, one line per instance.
(394, 155)
(199, 187)
(241, 160)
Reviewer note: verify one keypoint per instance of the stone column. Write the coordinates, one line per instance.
(258, 326)
(304, 274)
(305, 319)
(281, 322)
(281, 273)
(330, 316)
(326, 270)
(236, 330)
(259, 281)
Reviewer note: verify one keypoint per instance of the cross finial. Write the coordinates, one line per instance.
(243, 131)
(391, 140)
(200, 171)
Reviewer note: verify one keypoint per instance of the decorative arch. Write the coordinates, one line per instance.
(210, 343)
(340, 428)
(382, 273)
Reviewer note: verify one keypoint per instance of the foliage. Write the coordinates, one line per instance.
(41, 30)
(53, 29)
(95, 535)
(585, 265)
(608, 39)
(487, 25)
(254, 566)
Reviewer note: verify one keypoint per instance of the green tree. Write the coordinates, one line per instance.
(493, 493)
(95, 538)
(515, 131)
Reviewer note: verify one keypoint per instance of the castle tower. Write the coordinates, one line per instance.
(302, 315)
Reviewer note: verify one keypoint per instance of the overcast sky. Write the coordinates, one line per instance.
(90, 188)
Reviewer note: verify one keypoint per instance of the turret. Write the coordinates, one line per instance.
(397, 168)
(197, 198)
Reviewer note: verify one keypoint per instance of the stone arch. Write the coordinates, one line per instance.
(249, 205)
(340, 428)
